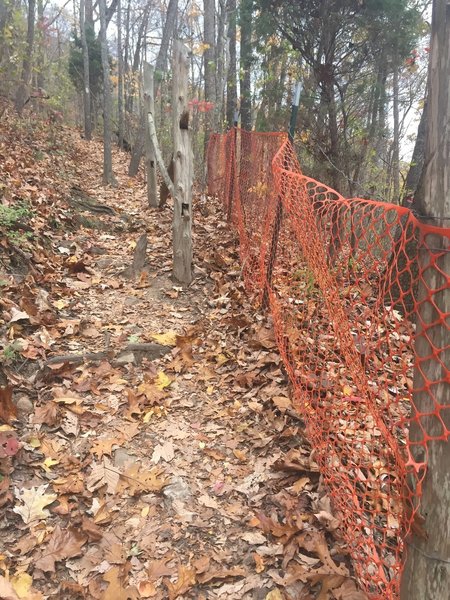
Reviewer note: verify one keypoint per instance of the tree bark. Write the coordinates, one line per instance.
(23, 91)
(108, 177)
(396, 147)
(120, 132)
(232, 74)
(183, 168)
(160, 66)
(209, 38)
(220, 62)
(246, 21)
(149, 101)
(411, 188)
(427, 570)
(86, 81)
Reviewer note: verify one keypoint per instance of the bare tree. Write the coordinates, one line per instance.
(23, 91)
(86, 81)
(108, 177)
(160, 66)
(209, 66)
(120, 132)
(232, 74)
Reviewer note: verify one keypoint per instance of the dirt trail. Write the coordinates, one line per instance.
(180, 476)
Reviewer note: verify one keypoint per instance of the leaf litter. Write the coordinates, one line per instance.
(125, 473)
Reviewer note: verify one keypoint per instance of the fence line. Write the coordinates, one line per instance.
(344, 282)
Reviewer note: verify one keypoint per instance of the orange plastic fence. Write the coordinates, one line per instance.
(356, 291)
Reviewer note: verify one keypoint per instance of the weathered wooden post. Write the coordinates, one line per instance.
(427, 569)
(149, 102)
(183, 167)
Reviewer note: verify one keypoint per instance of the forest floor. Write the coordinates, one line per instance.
(148, 443)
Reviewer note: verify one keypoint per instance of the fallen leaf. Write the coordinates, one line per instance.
(207, 501)
(8, 410)
(255, 538)
(64, 543)
(162, 381)
(282, 403)
(159, 568)
(34, 501)
(222, 574)
(274, 595)
(6, 590)
(186, 579)
(9, 445)
(103, 474)
(18, 315)
(165, 451)
(169, 338)
(146, 589)
(259, 562)
(116, 589)
(22, 584)
(137, 479)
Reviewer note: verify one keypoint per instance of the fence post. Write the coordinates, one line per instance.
(152, 189)
(233, 137)
(183, 167)
(279, 211)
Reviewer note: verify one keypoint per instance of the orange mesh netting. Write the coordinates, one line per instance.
(346, 281)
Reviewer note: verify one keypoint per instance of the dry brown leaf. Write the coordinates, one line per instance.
(103, 446)
(6, 590)
(64, 543)
(92, 530)
(46, 414)
(137, 479)
(282, 403)
(159, 568)
(186, 580)
(165, 451)
(8, 410)
(259, 562)
(284, 532)
(222, 574)
(348, 591)
(201, 564)
(103, 474)
(116, 590)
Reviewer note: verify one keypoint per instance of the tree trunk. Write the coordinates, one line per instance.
(396, 147)
(160, 66)
(232, 74)
(41, 47)
(23, 91)
(220, 62)
(427, 571)
(86, 83)
(209, 18)
(108, 177)
(120, 132)
(126, 53)
(183, 168)
(246, 63)
(149, 101)
(410, 190)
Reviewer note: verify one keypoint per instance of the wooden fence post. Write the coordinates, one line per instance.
(149, 103)
(183, 167)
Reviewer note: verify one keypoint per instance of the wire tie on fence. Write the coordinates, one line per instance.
(429, 556)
